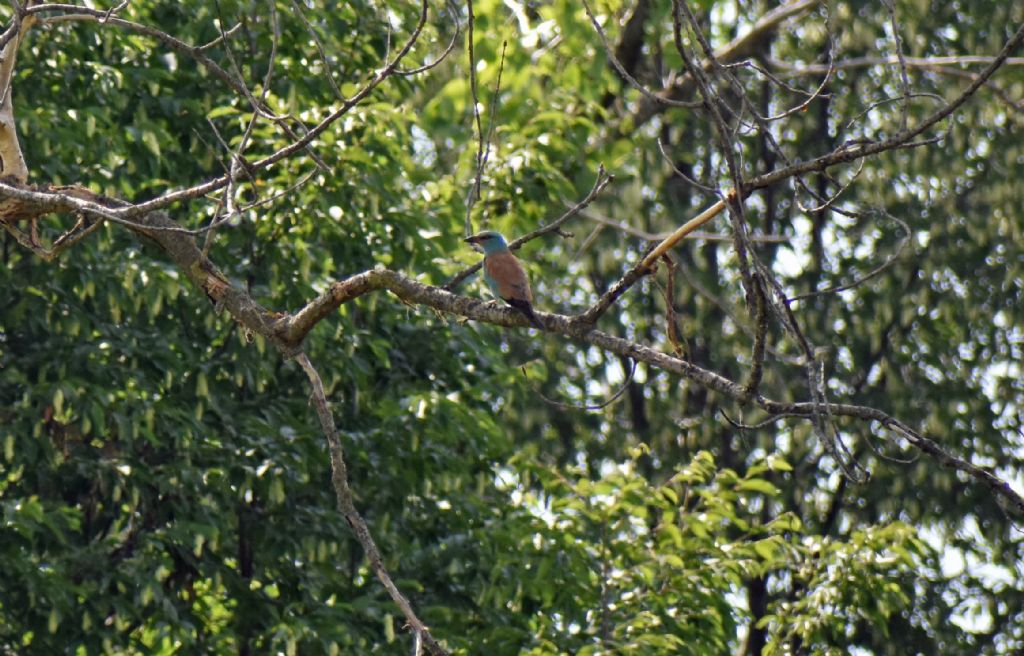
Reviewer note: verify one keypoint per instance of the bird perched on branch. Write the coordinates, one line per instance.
(504, 274)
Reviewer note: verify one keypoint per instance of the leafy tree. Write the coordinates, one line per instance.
(251, 400)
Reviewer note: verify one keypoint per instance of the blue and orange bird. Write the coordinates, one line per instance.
(504, 274)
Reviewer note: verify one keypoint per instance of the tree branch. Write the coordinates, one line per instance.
(736, 50)
(12, 162)
(286, 332)
(339, 479)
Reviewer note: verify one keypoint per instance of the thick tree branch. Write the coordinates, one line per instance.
(417, 293)
(286, 332)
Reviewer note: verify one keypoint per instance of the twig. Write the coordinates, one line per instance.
(792, 70)
(328, 73)
(484, 142)
(444, 55)
(633, 82)
(205, 188)
(845, 154)
(868, 276)
(726, 141)
(223, 37)
(645, 266)
(682, 176)
(114, 10)
(736, 50)
(200, 56)
(598, 406)
(603, 220)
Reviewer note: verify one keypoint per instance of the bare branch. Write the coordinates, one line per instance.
(682, 176)
(794, 70)
(474, 190)
(196, 53)
(597, 406)
(444, 55)
(223, 38)
(483, 152)
(603, 220)
(871, 274)
(328, 74)
(205, 188)
(633, 82)
(737, 50)
(857, 150)
(645, 266)
(726, 140)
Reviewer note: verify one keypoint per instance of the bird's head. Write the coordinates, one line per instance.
(489, 240)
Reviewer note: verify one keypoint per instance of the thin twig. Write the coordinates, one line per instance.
(683, 176)
(601, 219)
(298, 144)
(447, 51)
(321, 52)
(633, 82)
(224, 36)
(871, 274)
(598, 406)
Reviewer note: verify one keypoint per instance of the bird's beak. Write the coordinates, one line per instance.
(473, 239)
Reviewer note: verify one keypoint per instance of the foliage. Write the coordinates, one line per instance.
(165, 487)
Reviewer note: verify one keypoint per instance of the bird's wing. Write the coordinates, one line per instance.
(509, 275)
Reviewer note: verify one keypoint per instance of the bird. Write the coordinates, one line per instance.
(504, 274)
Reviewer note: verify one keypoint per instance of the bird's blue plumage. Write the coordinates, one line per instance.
(492, 242)
(504, 274)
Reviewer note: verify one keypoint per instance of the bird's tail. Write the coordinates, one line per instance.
(527, 309)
